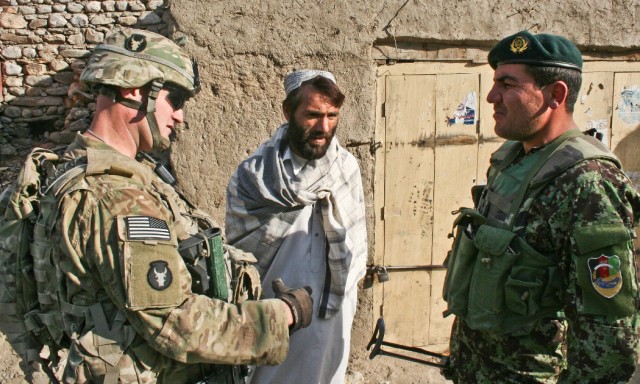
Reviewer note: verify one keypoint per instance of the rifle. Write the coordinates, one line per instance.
(377, 341)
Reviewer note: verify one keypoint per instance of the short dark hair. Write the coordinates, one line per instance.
(321, 84)
(543, 75)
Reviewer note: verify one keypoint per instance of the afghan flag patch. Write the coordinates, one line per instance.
(606, 276)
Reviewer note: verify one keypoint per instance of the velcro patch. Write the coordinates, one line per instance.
(606, 275)
(146, 228)
(159, 275)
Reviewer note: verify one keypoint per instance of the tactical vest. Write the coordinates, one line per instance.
(495, 281)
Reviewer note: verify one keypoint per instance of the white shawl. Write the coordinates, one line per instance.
(263, 201)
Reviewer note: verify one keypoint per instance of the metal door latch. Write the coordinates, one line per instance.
(380, 273)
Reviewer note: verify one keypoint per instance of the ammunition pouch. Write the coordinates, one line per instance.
(245, 283)
(495, 281)
(460, 262)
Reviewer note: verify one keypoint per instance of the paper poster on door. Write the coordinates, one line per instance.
(465, 112)
(629, 105)
(599, 129)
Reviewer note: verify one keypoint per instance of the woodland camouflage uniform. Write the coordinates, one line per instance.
(591, 192)
(573, 317)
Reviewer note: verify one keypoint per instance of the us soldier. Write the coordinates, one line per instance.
(541, 276)
(127, 245)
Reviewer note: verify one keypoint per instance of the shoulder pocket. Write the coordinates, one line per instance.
(605, 270)
(151, 264)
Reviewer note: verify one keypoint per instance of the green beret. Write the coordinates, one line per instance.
(541, 50)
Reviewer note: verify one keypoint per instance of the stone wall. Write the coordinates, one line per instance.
(44, 45)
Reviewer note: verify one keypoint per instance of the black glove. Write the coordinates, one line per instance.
(299, 301)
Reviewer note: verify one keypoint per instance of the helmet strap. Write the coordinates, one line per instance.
(159, 142)
(149, 108)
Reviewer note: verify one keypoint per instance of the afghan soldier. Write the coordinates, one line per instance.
(135, 293)
(541, 276)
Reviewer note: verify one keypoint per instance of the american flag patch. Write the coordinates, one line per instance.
(146, 228)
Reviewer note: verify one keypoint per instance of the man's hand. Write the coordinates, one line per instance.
(299, 301)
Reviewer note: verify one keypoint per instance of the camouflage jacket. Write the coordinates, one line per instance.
(119, 226)
(589, 343)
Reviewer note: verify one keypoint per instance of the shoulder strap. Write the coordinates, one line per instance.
(501, 158)
(57, 185)
(567, 150)
(546, 153)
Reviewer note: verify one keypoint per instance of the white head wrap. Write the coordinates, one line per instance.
(294, 79)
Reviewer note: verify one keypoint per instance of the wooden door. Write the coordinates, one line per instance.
(436, 130)
(430, 130)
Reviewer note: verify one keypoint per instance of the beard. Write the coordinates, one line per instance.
(299, 140)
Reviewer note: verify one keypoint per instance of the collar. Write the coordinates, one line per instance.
(104, 159)
(297, 162)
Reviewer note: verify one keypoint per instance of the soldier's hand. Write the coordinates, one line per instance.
(299, 301)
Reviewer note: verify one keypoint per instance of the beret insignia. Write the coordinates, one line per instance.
(519, 45)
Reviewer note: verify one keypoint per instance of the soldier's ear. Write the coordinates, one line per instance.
(558, 93)
(131, 93)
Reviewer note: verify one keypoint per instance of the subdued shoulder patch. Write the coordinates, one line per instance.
(146, 228)
(136, 43)
(159, 275)
(606, 275)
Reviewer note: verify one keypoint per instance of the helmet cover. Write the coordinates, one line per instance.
(131, 58)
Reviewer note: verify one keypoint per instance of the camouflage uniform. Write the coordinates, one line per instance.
(582, 342)
(141, 329)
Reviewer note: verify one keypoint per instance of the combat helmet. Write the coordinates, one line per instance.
(133, 58)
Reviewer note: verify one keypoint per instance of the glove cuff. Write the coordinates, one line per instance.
(294, 312)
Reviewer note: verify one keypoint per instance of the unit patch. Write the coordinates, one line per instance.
(159, 275)
(146, 228)
(606, 276)
(519, 45)
(136, 43)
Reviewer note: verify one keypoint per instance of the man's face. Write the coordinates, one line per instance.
(167, 115)
(519, 105)
(312, 125)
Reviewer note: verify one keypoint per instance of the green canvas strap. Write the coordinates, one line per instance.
(545, 153)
